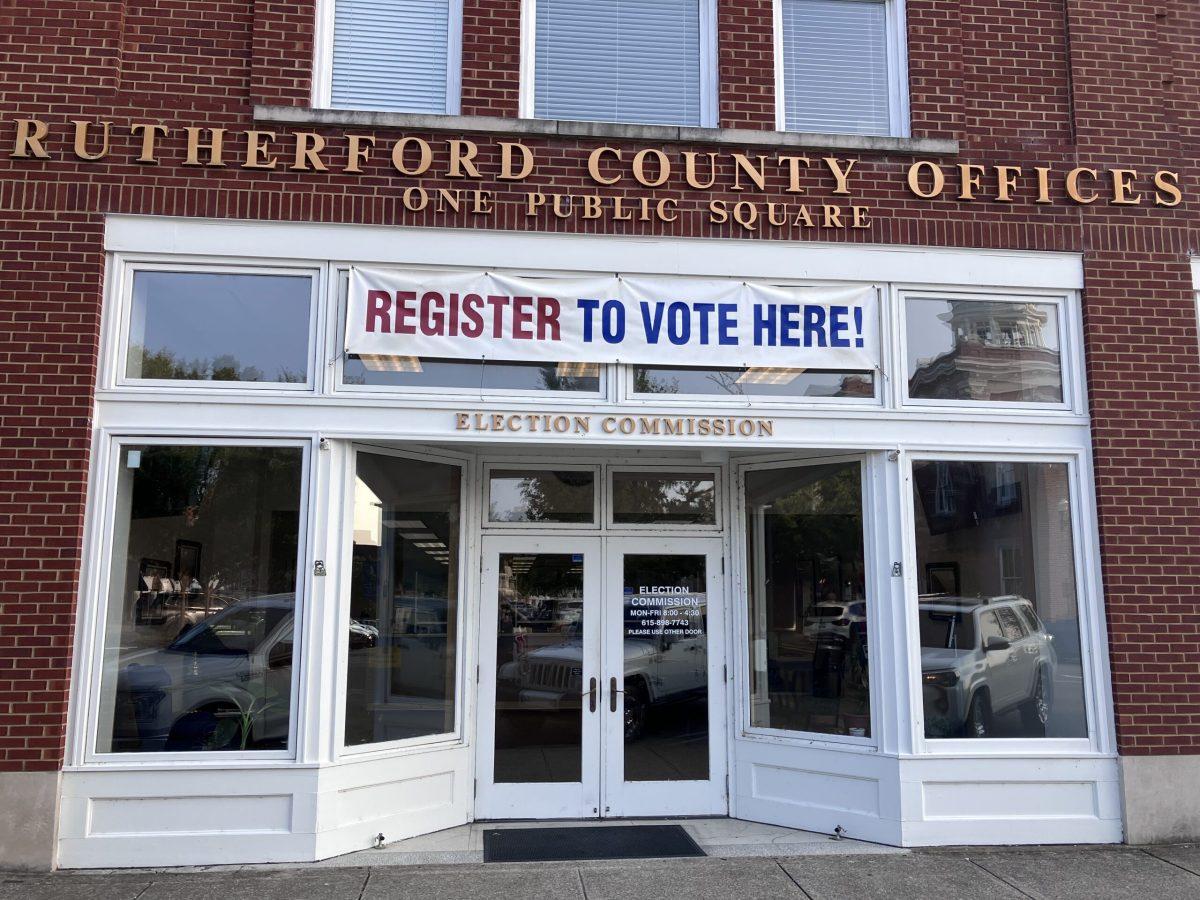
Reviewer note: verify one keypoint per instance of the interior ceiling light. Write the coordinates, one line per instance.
(380, 363)
(577, 370)
(769, 375)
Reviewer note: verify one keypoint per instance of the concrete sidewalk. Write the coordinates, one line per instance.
(1087, 873)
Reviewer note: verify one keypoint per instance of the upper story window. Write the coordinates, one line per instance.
(397, 55)
(841, 66)
(633, 61)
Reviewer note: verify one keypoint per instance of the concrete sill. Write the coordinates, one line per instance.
(300, 115)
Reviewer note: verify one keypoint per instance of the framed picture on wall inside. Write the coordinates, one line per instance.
(943, 578)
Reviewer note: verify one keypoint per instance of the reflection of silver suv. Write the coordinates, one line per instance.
(223, 684)
(660, 667)
(981, 657)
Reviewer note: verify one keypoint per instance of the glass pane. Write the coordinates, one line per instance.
(542, 496)
(418, 372)
(668, 498)
(753, 382)
(210, 326)
(1000, 654)
(199, 631)
(539, 668)
(666, 668)
(990, 350)
(403, 634)
(808, 610)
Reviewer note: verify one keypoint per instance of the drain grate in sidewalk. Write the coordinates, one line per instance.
(592, 842)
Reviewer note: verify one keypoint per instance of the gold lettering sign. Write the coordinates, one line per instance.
(741, 182)
(575, 424)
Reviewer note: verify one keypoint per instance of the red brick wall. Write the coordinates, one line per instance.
(1004, 78)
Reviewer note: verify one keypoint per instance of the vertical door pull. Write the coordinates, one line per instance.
(592, 695)
(612, 694)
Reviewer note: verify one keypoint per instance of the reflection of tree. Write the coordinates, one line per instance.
(653, 498)
(224, 495)
(164, 364)
(645, 381)
(821, 519)
(558, 497)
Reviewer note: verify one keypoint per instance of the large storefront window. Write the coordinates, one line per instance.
(404, 590)
(808, 609)
(998, 610)
(198, 641)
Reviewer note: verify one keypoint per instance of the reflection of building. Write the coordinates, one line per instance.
(1000, 352)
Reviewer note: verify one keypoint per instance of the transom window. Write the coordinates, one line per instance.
(637, 61)
(840, 67)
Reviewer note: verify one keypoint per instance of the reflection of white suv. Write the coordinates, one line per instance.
(660, 667)
(980, 657)
(838, 618)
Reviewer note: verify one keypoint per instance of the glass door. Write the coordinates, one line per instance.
(602, 678)
(664, 655)
(539, 679)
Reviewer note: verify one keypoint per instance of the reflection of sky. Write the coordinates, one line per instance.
(929, 336)
(259, 320)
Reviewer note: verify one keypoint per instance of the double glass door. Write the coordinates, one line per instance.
(602, 678)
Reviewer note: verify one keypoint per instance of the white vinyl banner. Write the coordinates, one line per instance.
(641, 319)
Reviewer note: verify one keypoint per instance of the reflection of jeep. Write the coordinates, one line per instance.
(668, 665)
(981, 657)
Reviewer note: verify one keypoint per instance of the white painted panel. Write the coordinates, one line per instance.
(247, 813)
(408, 796)
(593, 253)
(1006, 799)
(823, 790)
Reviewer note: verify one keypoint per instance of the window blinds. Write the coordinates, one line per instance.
(835, 66)
(634, 61)
(391, 54)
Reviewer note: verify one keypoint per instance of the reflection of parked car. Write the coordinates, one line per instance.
(834, 617)
(660, 667)
(223, 684)
(980, 657)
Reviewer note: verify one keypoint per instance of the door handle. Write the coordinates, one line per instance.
(591, 695)
(612, 694)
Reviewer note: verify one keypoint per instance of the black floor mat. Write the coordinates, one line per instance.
(588, 842)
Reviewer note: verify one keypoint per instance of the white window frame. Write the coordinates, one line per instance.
(118, 317)
(873, 518)
(465, 597)
(897, 63)
(709, 67)
(1093, 636)
(716, 472)
(1070, 350)
(96, 593)
(322, 83)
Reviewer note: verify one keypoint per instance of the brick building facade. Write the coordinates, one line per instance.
(1056, 85)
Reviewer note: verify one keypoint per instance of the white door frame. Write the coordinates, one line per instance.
(664, 798)
(525, 800)
(602, 792)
